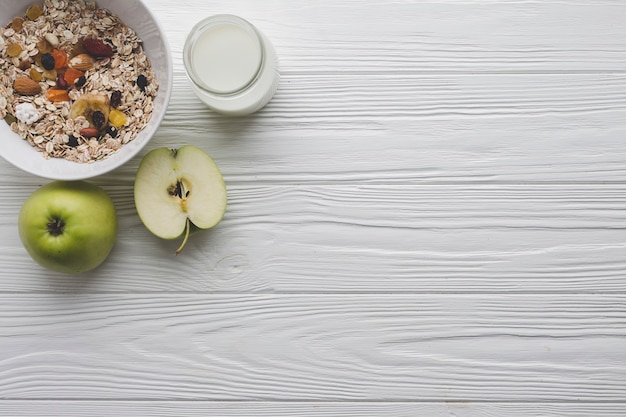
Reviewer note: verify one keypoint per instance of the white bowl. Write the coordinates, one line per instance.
(136, 15)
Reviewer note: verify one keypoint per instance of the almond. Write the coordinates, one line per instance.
(89, 132)
(27, 87)
(82, 62)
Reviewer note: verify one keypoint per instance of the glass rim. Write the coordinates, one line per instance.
(203, 25)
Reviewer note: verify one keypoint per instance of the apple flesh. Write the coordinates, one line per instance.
(68, 226)
(177, 190)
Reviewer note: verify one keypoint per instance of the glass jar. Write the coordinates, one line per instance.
(232, 66)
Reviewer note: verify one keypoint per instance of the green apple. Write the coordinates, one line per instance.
(68, 226)
(177, 190)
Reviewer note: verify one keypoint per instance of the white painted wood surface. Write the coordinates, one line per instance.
(427, 220)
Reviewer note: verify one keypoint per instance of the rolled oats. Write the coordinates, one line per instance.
(63, 25)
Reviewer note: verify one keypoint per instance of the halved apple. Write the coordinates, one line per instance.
(177, 190)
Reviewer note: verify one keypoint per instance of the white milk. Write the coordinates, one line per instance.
(226, 58)
(232, 66)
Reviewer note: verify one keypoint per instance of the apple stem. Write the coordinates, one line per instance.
(187, 229)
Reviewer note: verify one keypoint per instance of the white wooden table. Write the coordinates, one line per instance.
(429, 219)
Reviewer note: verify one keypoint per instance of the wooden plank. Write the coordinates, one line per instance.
(305, 409)
(361, 238)
(386, 129)
(418, 129)
(563, 348)
(410, 36)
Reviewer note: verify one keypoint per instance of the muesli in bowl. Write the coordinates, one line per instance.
(75, 79)
(79, 85)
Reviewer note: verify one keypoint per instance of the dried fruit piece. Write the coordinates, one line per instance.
(17, 23)
(116, 99)
(97, 48)
(117, 118)
(47, 62)
(14, 49)
(10, 119)
(111, 131)
(80, 81)
(82, 62)
(88, 104)
(35, 75)
(33, 12)
(71, 75)
(25, 64)
(77, 49)
(61, 83)
(89, 132)
(56, 95)
(72, 141)
(44, 46)
(27, 87)
(142, 82)
(98, 119)
(60, 58)
(50, 75)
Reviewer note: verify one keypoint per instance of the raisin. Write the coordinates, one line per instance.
(14, 49)
(111, 131)
(116, 99)
(142, 82)
(73, 142)
(61, 83)
(17, 24)
(33, 12)
(98, 119)
(35, 75)
(10, 119)
(80, 81)
(25, 64)
(47, 61)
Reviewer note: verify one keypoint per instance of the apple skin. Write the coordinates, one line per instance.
(89, 232)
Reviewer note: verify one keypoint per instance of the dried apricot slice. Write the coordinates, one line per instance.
(71, 75)
(55, 95)
(60, 58)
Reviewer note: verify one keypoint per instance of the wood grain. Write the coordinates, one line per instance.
(385, 129)
(361, 238)
(427, 219)
(303, 409)
(308, 347)
(434, 36)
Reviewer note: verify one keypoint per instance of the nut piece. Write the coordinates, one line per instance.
(82, 62)
(89, 132)
(26, 87)
(52, 39)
